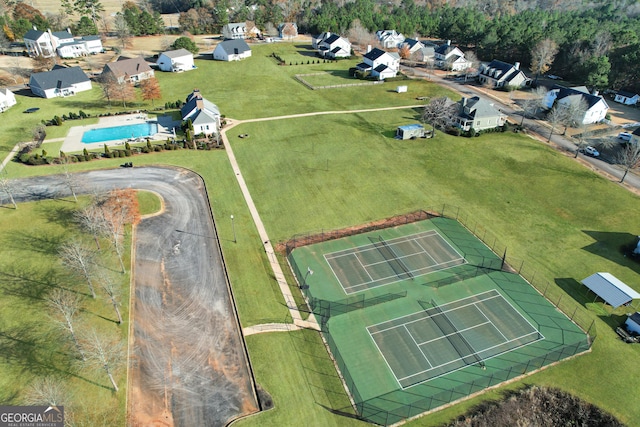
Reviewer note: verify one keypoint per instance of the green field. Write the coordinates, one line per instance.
(334, 171)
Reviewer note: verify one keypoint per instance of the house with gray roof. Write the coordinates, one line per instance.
(389, 39)
(380, 64)
(204, 115)
(130, 70)
(60, 81)
(450, 57)
(176, 61)
(332, 46)
(413, 45)
(240, 30)
(478, 114)
(45, 43)
(498, 74)
(80, 46)
(232, 50)
(596, 106)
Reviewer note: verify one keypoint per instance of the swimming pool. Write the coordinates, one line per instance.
(119, 132)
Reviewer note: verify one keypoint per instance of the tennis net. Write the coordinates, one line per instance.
(457, 340)
(392, 258)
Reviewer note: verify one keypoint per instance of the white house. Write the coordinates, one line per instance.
(412, 44)
(82, 46)
(333, 46)
(597, 107)
(232, 50)
(627, 98)
(235, 30)
(389, 39)
(204, 115)
(176, 61)
(450, 57)
(7, 99)
(130, 70)
(44, 43)
(499, 74)
(380, 64)
(60, 81)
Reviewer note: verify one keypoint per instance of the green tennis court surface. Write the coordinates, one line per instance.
(449, 337)
(387, 261)
(422, 314)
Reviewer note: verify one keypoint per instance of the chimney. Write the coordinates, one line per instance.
(595, 92)
(448, 42)
(199, 103)
(516, 65)
(35, 28)
(68, 30)
(368, 48)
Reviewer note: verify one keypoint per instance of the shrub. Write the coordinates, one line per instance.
(106, 149)
(57, 120)
(472, 132)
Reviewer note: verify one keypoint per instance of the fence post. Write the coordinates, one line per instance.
(559, 299)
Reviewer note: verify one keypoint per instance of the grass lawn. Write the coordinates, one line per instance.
(333, 171)
(32, 345)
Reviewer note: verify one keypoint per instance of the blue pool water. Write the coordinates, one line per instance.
(119, 132)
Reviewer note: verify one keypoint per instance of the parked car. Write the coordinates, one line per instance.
(591, 151)
(624, 136)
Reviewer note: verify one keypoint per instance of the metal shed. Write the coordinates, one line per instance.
(633, 323)
(411, 131)
(612, 290)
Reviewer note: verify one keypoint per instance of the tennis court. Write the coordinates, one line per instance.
(448, 337)
(388, 261)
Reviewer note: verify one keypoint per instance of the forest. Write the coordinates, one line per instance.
(597, 43)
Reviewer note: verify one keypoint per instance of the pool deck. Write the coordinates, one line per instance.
(73, 141)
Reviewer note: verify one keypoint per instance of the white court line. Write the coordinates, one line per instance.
(494, 326)
(417, 345)
(385, 359)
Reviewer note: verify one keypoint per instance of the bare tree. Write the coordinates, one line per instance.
(119, 208)
(103, 353)
(80, 260)
(602, 44)
(439, 112)
(46, 391)
(112, 292)
(574, 112)
(474, 63)
(91, 219)
(555, 117)
(542, 56)
(65, 305)
(629, 158)
(123, 32)
(39, 133)
(531, 105)
(70, 179)
(7, 187)
(359, 35)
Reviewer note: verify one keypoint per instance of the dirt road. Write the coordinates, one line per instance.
(188, 363)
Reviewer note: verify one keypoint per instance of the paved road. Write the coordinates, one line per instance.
(188, 364)
(539, 129)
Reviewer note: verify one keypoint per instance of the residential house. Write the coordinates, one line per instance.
(130, 70)
(204, 115)
(626, 98)
(389, 39)
(426, 55)
(596, 106)
(235, 30)
(288, 30)
(176, 61)
(478, 114)
(45, 43)
(252, 31)
(232, 50)
(81, 46)
(7, 99)
(500, 74)
(412, 44)
(380, 64)
(60, 81)
(450, 57)
(333, 46)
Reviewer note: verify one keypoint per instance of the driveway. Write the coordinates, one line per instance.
(188, 362)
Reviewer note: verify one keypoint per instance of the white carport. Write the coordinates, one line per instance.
(612, 290)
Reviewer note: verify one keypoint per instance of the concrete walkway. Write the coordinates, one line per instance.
(270, 327)
(268, 248)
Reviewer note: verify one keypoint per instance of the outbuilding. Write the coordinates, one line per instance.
(633, 323)
(411, 132)
(612, 290)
